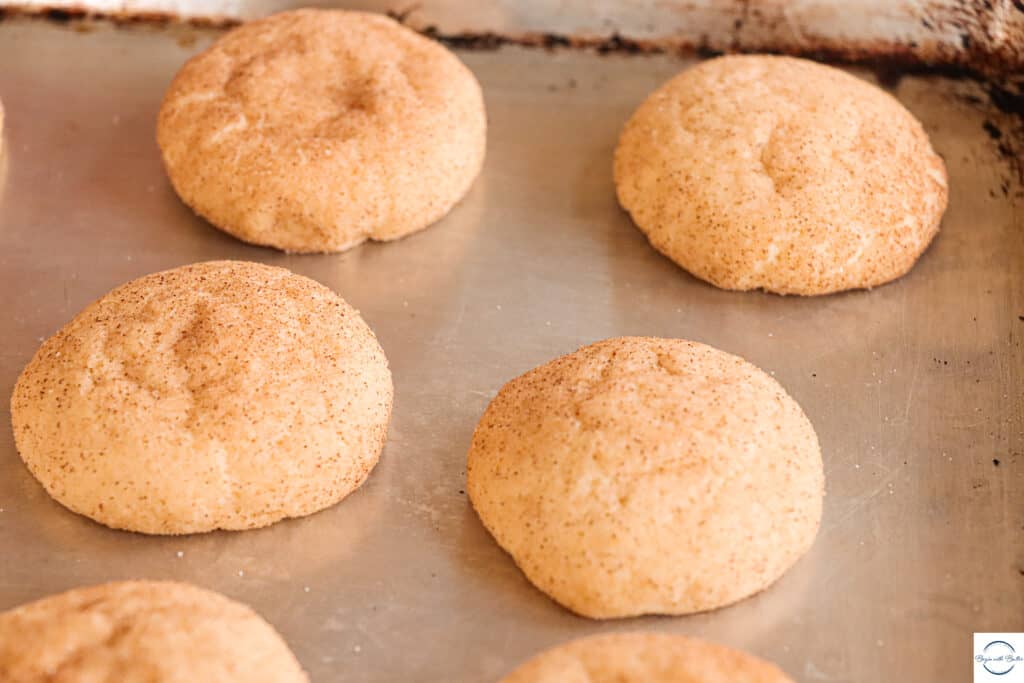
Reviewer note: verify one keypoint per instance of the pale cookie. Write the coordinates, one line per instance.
(133, 631)
(314, 130)
(645, 658)
(221, 395)
(647, 476)
(781, 174)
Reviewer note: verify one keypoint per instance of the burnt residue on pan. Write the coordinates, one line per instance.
(77, 16)
(989, 41)
(550, 41)
(1007, 96)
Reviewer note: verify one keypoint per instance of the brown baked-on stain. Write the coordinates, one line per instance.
(76, 14)
(992, 129)
(1008, 97)
(489, 40)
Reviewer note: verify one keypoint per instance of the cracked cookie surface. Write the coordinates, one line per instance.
(220, 395)
(645, 658)
(775, 173)
(133, 631)
(647, 476)
(314, 130)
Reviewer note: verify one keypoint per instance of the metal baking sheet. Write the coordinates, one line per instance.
(915, 388)
(982, 34)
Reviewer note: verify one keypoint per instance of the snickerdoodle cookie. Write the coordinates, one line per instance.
(647, 476)
(774, 173)
(314, 130)
(645, 658)
(221, 395)
(157, 631)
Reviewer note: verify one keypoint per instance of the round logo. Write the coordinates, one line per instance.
(999, 658)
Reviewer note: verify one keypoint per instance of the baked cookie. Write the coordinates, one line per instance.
(645, 658)
(314, 130)
(156, 631)
(221, 395)
(774, 173)
(647, 476)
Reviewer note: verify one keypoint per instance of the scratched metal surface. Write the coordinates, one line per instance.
(914, 388)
